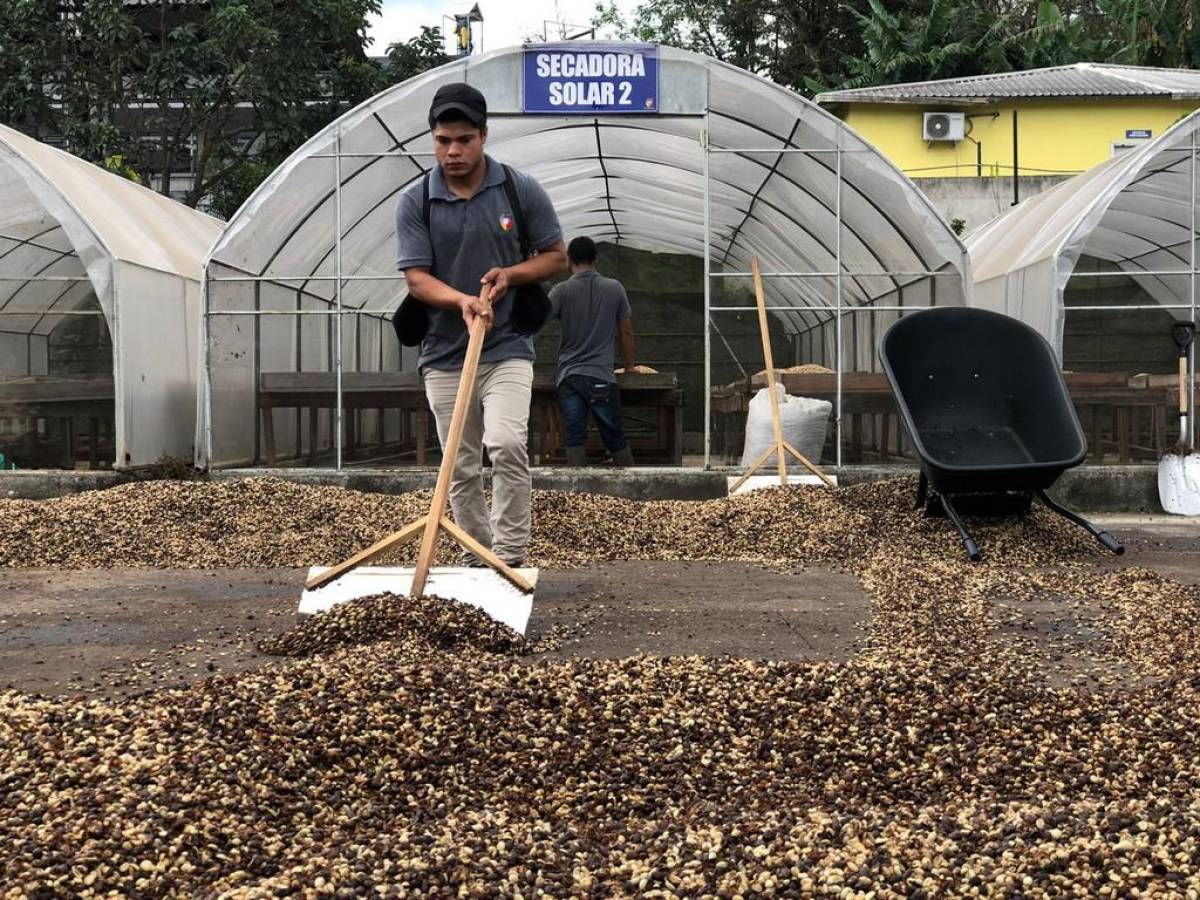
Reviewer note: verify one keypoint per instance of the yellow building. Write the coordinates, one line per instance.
(1041, 122)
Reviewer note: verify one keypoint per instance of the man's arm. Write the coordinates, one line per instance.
(432, 291)
(548, 263)
(626, 328)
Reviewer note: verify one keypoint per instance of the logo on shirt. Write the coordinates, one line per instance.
(506, 222)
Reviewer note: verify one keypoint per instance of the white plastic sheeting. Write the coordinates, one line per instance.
(73, 235)
(636, 180)
(1134, 213)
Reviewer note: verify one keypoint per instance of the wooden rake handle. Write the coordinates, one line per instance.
(397, 538)
(458, 422)
(427, 526)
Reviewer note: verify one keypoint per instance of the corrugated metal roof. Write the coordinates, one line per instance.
(1079, 80)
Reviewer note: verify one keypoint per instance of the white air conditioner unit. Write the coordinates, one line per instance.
(944, 126)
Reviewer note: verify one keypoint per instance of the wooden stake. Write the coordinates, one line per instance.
(808, 464)
(776, 425)
(779, 446)
(758, 464)
(487, 556)
(406, 534)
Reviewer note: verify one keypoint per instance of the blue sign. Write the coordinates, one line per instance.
(1143, 133)
(579, 78)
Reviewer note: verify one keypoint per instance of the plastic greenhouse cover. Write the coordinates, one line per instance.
(639, 181)
(70, 235)
(1131, 212)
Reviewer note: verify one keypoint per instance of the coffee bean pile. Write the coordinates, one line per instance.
(251, 523)
(940, 762)
(440, 623)
(428, 772)
(803, 369)
(255, 523)
(1145, 618)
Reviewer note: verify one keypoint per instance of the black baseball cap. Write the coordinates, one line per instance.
(462, 97)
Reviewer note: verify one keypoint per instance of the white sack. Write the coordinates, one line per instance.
(803, 421)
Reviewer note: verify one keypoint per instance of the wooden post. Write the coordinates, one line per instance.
(780, 446)
(776, 425)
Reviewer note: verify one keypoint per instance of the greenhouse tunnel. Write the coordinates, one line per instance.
(1103, 265)
(727, 167)
(99, 314)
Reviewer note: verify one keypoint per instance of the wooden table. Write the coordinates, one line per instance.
(67, 398)
(657, 391)
(381, 391)
(1137, 405)
(1129, 401)
(315, 391)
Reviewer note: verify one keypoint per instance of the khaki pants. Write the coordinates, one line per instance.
(499, 420)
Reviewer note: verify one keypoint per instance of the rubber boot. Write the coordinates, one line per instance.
(622, 457)
(576, 456)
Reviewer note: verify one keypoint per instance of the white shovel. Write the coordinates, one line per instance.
(503, 593)
(1179, 471)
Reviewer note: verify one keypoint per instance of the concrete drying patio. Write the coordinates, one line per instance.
(118, 631)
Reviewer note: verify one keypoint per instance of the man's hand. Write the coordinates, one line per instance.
(498, 279)
(473, 307)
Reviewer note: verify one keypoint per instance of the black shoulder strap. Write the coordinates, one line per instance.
(425, 201)
(510, 189)
(425, 210)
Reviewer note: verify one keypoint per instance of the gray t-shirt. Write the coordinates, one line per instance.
(465, 238)
(589, 306)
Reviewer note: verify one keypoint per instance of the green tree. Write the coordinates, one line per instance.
(610, 22)
(740, 32)
(251, 77)
(820, 38)
(1149, 32)
(27, 30)
(98, 46)
(242, 178)
(947, 39)
(173, 86)
(418, 54)
(803, 44)
(956, 38)
(815, 45)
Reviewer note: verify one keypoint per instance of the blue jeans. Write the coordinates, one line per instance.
(579, 393)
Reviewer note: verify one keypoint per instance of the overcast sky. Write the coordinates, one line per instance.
(505, 22)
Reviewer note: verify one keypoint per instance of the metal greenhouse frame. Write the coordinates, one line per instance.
(730, 166)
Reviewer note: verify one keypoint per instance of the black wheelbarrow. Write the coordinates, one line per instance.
(988, 412)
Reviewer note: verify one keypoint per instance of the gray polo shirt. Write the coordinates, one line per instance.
(589, 306)
(465, 238)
